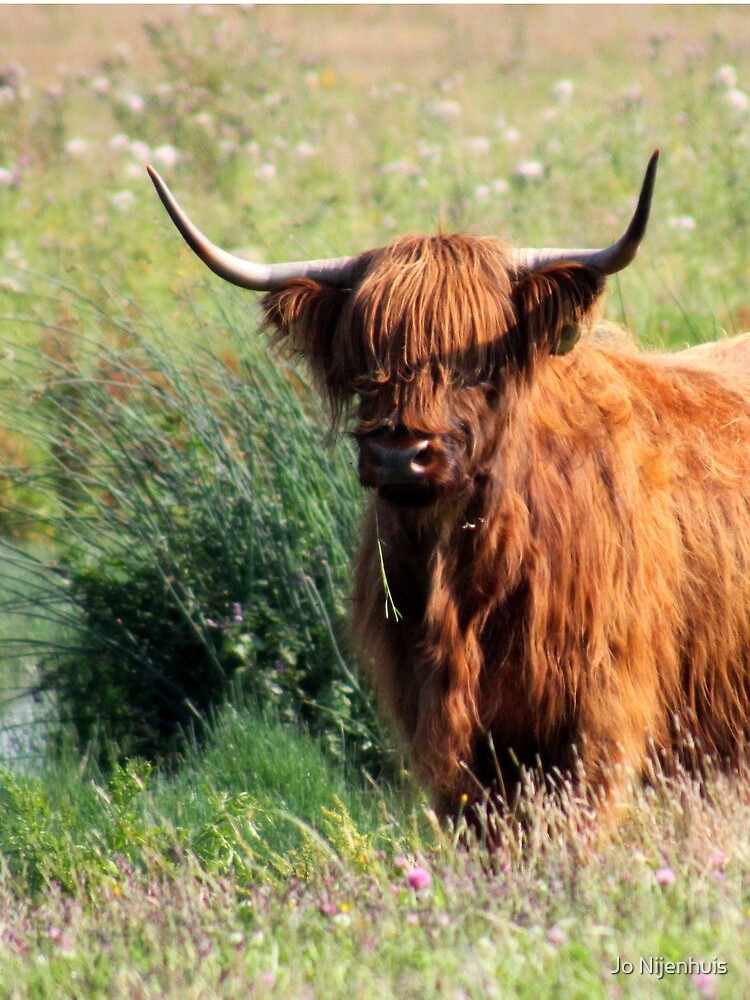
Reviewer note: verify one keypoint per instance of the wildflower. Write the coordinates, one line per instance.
(511, 135)
(666, 876)
(101, 85)
(444, 111)
(726, 76)
(500, 186)
(400, 862)
(530, 171)
(166, 156)
(478, 146)
(631, 97)
(133, 102)
(140, 151)
(237, 615)
(305, 150)
(563, 91)
(329, 909)
(6, 177)
(705, 983)
(556, 936)
(123, 201)
(76, 147)
(418, 878)
(204, 119)
(266, 172)
(412, 920)
(685, 223)
(738, 100)
(119, 143)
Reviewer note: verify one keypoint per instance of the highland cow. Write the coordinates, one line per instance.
(564, 521)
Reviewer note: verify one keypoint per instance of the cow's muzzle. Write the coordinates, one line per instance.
(408, 465)
(405, 469)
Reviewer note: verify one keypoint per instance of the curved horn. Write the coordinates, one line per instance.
(339, 271)
(610, 259)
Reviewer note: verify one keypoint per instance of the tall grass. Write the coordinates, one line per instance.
(201, 535)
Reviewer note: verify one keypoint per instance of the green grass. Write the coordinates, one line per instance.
(158, 461)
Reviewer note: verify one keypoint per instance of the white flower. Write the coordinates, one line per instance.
(726, 76)
(76, 147)
(204, 118)
(166, 156)
(6, 177)
(482, 192)
(530, 171)
(101, 85)
(511, 135)
(685, 223)
(133, 102)
(140, 151)
(119, 143)
(122, 200)
(478, 146)
(500, 186)
(266, 172)
(306, 150)
(563, 91)
(738, 100)
(444, 111)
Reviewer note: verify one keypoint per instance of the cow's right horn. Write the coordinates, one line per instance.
(608, 260)
(338, 271)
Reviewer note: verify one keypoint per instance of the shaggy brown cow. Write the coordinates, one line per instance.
(564, 522)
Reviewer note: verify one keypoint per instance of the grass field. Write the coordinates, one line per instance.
(215, 810)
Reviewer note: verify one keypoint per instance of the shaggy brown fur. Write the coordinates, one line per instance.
(579, 587)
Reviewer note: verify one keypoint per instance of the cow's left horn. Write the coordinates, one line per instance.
(610, 259)
(338, 271)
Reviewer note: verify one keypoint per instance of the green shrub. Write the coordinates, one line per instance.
(202, 534)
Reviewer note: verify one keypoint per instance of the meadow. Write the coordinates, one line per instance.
(197, 799)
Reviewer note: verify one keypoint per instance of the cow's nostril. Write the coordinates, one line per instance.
(423, 457)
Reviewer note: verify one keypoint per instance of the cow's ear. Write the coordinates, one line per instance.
(556, 304)
(303, 314)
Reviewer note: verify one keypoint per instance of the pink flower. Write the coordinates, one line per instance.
(665, 876)
(556, 935)
(705, 984)
(419, 878)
